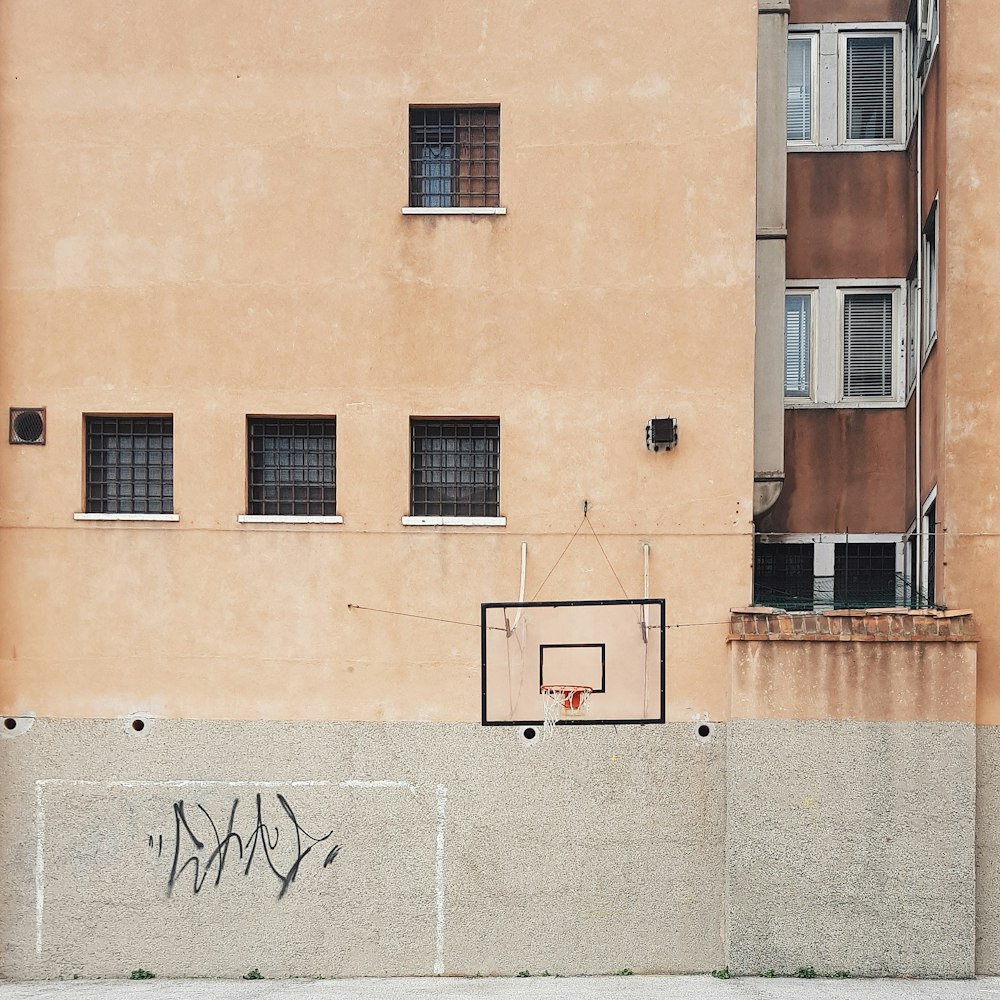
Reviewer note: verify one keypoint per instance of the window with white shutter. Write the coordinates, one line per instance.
(870, 89)
(801, 88)
(868, 345)
(845, 342)
(798, 345)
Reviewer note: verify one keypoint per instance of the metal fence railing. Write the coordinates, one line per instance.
(824, 593)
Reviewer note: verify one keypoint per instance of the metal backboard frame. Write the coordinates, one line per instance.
(609, 650)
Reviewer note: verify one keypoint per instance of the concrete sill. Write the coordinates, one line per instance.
(287, 519)
(126, 517)
(458, 522)
(455, 211)
(847, 147)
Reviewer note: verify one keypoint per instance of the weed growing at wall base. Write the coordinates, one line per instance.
(721, 973)
(253, 974)
(142, 974)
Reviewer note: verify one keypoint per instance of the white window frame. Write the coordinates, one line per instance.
(811, 293)
(930, 237)
(895, 290)
(830, 85)
(827, 342)
(813, 39)
(912, 352)
(928, 36)
(897, 89)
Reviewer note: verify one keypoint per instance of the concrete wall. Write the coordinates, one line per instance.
(461, 850)
(851, 795)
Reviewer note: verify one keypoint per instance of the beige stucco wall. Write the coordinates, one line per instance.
(968, 346)
(202, 217)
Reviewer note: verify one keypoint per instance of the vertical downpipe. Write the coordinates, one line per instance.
(918, 335)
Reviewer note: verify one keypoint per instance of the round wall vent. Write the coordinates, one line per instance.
(27, 425)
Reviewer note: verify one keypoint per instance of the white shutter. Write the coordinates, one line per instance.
(870, 88)
(798, 335)
(868, 345)
(800, 99)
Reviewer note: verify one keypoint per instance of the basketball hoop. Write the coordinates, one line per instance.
(562, 700)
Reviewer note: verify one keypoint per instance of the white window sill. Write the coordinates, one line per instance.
(845, 404)
(287, 519)
(460, 522)
(455, 211)
(126, 517)
(847, 147)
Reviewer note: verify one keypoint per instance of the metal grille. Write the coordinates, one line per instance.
(130, 465)
(454, 157)
(455, 468)
(864, 575)
(292, 467)
(783, 575)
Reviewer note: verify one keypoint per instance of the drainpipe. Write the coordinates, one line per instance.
(771, 235)
(918, 329)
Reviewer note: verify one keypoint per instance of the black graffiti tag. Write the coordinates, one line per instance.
(200, 847)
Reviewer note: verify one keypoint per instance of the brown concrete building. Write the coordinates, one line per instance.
(370, 368)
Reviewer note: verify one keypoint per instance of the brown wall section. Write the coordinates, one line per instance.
(849, 215)
(844, 470)
(823, 11)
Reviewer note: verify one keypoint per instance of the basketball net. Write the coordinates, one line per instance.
(563, 700)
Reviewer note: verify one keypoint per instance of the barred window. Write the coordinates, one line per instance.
(292, 466)
(864, 575)
(454, 157)
(130, 465)
(783, 575)
(455, 468)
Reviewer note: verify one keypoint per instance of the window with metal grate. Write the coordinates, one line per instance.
(864, 575)
(455, 157)
(130, 465)
(870, 88)
(868, 345)
(292, 466)
(783, 575)
(455, 468)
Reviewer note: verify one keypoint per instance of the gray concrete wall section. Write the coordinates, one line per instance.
(987, 850)
(461, 849)
(851, 847)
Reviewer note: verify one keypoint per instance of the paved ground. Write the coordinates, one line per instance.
(536, 988)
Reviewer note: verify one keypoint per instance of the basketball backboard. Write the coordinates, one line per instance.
(617, 648)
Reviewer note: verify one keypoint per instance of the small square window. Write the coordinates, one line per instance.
(455, 157)
(455, 468)
(292, 466)
(130, 465)
(864, 575)
(783, 575)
